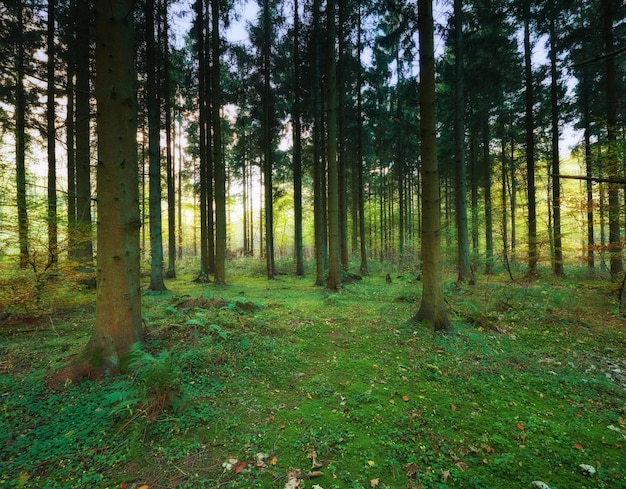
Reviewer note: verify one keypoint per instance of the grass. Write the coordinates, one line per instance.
(264, 375)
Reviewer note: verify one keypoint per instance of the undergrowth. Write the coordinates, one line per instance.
(236, 385)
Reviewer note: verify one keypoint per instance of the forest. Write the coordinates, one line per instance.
(312, 244)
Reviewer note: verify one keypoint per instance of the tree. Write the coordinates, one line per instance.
(297, 145)
(218, 160)
(463, 258)
(118, 300)
(154, 152)
(334, 238)
(84, 247)
(432, 308)
(20, 139)
(615, 244)
(51, 139)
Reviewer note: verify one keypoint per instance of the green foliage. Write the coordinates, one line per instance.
(341, 376)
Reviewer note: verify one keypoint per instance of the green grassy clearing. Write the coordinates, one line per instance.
(263, 374)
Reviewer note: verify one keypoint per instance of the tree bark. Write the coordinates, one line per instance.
(557, 266)
(432, 308)
(615, 245)
(20, 142)
(333, 281)
(463, 255)
(219, 173)
(84, 249)
(297, 145)
(533, 254)
(53, 245)
(267, 144)
(154, 152)
(118, 301)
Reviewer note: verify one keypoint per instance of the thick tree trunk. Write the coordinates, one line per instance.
(432, 308)
(118, 301)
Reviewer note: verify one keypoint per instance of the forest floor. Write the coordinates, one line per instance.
(258, 383)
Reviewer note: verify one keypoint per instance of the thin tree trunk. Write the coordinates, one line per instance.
(169, 157)
(20, 141)
(267, 145)
(83, 122)
(615, 245)
(297, 146)
(488, 203)
(70, 94)
(533, 255)
(463, 255)
(154, 152)
(556, 182)
(218, 161)
(53, 246)
(334, 227)
(360, 160)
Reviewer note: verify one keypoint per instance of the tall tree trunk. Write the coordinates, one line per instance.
(203, 275)
(588, 168)
(432, 308)
(342, 151)
(533, 254)
(463, 255)
(267, 144)
(70, 94)
(20, 142)
(218, 161)
(556, 182)
(615, 245)
(488, 203)
(475, 179)
(84, 250)
(169, 157)
(297, 145)
(118, 301)
(360, 160)
(154, 152)
(53, 247)
(334, 232)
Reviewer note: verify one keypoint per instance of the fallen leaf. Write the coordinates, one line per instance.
(315, 473)
(374, 483)
(405, 398)
(371, 463)
(274, 460)
(453, 407)
(309, 396)
(462, 466)
(446, 475)
(143, 487)
(411, 469)
(578, 446)
(238, 468)
(521, 426)
(122, 485)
